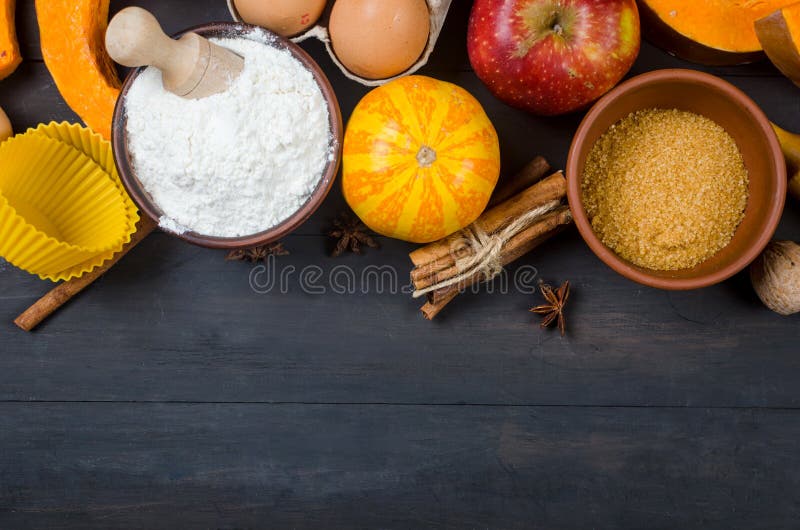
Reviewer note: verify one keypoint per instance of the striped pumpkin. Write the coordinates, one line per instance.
(421, 159)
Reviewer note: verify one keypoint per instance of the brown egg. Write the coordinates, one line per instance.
(377, 39)
(284, 17)
(5, 127)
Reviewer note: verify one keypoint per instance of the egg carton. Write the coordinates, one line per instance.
(438, 10)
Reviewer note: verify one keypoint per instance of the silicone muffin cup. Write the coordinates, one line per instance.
(98, 149)
(95, 147)
(61, 214)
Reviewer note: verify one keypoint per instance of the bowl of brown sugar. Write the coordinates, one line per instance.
(676, 179)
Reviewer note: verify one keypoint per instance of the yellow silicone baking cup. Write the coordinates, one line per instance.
(95, 147)
(61, 213)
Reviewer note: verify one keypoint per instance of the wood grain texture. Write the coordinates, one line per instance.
(171, 394)
(272, 466)
(179, 323)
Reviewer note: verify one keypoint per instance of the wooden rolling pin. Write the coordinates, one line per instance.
(191, 67)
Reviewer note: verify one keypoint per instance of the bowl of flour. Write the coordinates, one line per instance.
(236, 169)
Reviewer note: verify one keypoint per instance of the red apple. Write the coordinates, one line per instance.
(552, 56)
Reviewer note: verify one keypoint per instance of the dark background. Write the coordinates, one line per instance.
(170, 393)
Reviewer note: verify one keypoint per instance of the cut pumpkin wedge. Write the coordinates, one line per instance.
(779, 34)
(712, 32)
(73, 46)
(9, 49)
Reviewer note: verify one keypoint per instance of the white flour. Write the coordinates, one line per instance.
(238, 162)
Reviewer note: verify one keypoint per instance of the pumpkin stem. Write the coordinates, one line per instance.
(426, 156)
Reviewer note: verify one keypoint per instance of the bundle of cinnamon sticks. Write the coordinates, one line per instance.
(440, 262)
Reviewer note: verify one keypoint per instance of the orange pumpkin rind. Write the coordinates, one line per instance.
(779, 34)
(72, 35)
(420, 159)
(710, 32)
(10, 57)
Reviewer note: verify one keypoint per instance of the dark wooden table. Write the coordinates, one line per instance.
(171, 394)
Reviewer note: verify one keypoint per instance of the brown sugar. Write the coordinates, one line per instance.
(665, 189)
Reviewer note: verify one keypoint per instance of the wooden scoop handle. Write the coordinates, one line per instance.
(135, 38)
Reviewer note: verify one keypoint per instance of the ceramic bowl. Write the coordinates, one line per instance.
(720, 101)
(127, 171)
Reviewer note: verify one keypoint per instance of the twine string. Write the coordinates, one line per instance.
(486, 249)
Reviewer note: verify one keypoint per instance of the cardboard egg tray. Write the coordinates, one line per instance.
(438, 10)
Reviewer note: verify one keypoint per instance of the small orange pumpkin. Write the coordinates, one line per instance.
(420, 159)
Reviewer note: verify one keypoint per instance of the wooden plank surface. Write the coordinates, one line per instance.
(200, 333)
(172, 392)
(244, 466)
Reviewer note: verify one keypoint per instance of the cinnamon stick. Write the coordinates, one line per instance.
(436, 267)
(443, 267)
(510, 249)
(65, 291)
(437, 276)
(517, 246)
(552, 188)
(431, 309)
(529, 175)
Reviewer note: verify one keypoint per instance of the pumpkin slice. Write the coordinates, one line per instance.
(790, 146)
(712, 32)
(779, 34)
(72, 36)
(9, 49)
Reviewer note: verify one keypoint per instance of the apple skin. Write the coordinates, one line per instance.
(552, 56)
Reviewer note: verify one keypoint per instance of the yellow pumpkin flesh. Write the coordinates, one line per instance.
(420, 159)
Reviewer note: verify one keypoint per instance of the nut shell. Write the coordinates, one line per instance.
(776, 277)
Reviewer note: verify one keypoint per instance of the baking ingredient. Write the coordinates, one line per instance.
(377, 39)
(552, 56)
(421, 159)
(665, 189)
(779, 35)
(790, 146)
(72, 37)
(441, 261)
(553, 310)
(6, 131)
(776, 277)
(713, 32)
(350, 233)
(285, 17)
(238, 162)
(259, 253)
(9, 48)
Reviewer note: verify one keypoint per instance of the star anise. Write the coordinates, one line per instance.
(351, 234)
(260, 253)
(553, 310)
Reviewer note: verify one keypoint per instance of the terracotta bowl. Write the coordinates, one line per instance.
(127, 171)
(725, 104)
